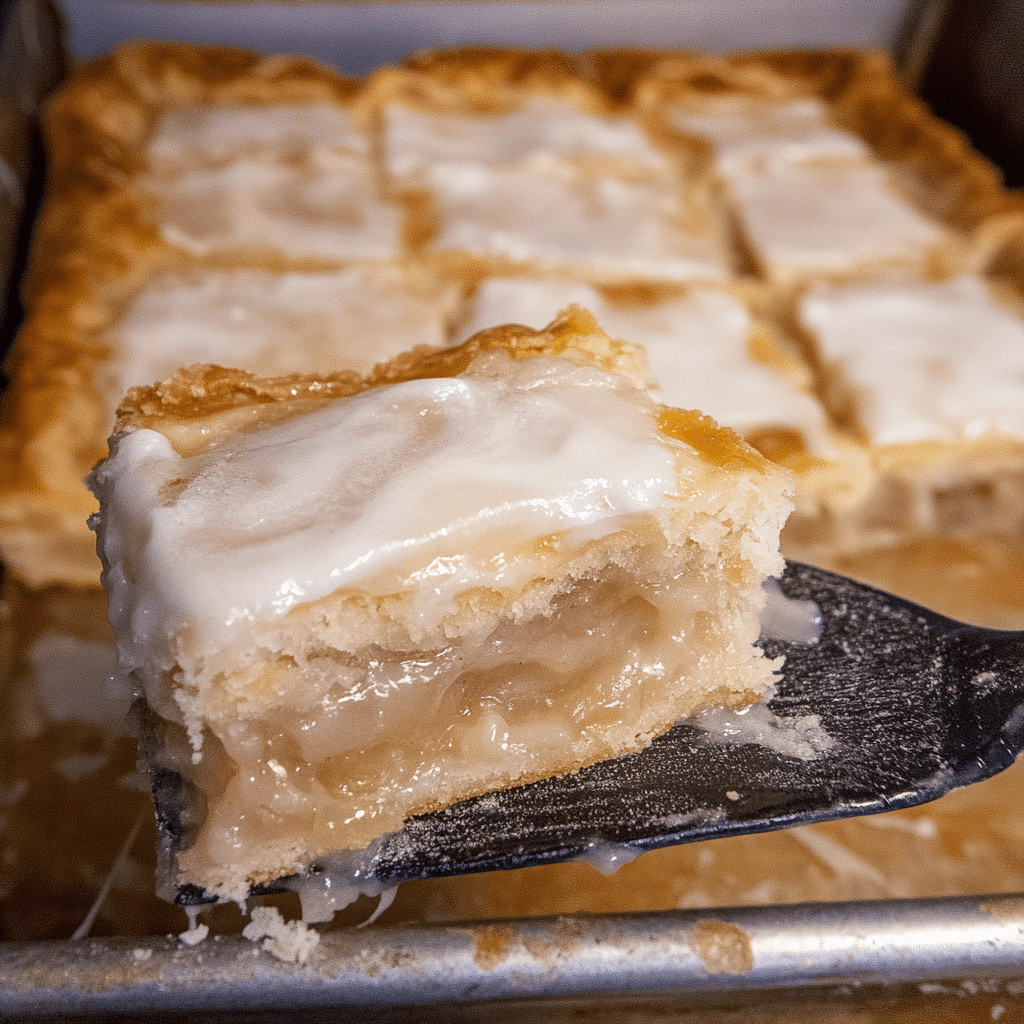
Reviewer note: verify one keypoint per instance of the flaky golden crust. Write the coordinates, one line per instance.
(199, 392)
(489, 79)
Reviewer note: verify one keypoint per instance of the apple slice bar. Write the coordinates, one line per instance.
(931, 376)
(347, 600)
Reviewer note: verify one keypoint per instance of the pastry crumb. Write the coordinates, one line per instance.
(193, 936)
(290, 941)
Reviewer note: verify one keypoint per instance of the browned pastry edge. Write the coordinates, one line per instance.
(185, 406)
(486, 79)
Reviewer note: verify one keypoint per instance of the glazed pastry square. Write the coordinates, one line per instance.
(325, 210)
(833, 138)
(831, 217)
(507, 561)
(417, 140)
(549, 216)
(275, 323)
(908, 376)
(751, 130)
(931, 375)
(505, 108)
(705, 349)
(211, 136)
(709, 350)
(294, 180)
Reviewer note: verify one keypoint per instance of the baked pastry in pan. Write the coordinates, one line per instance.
(242, 189)
(346, 601)
(126, 277)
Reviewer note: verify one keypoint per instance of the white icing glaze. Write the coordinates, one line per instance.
(416, 140)
(941, 360)
(697, 346)
(802, 737)
(326, 206)
(790, 619)
(758, 130)
(337, 881)
(186, 136)
(550, 215)
(471, 466)
(824, 216)
(607, 857)
(195, 934)
(271, 324)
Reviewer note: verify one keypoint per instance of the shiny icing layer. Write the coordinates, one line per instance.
(325, 206)
(698, 346)
(272, 324)
(549, 215)
(925, 361)
(434, 485)
(185, 136)
(827, 216)
(755, 130)
(417, 140)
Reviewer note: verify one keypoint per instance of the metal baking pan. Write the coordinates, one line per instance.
(677, 953)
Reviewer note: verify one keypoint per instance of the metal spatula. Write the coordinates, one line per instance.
(912, 705)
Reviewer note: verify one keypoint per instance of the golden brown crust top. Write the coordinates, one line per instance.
(201, 403)
(767, 76)
(200, 392)
(492, 78)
